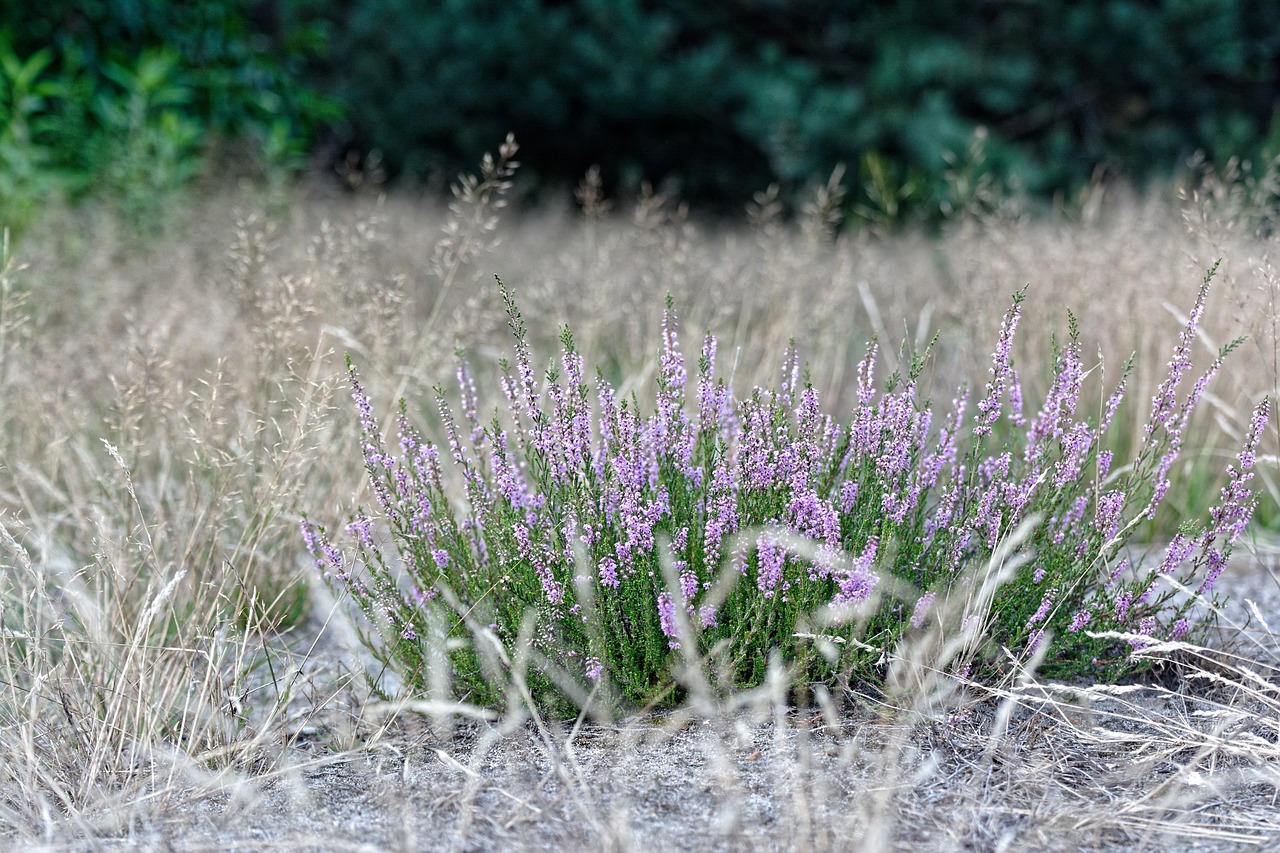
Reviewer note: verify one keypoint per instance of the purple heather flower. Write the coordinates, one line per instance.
(1001, 371)
(594, 669)
(1015, 399)
(1104, 463)
(1164, 402)
(1043, 610)
(1113, 403)
(1108, 517)
(758, 445)
(1075, 447)
(688, 584)
(990, 515)
(848, 495)
(813, 516)
(857, 582)
(1123, 602)
(1147, 627)
(376, 459)
(864, 436)
(362, 528)
(667, 619)
(1079, 621)
(1060, 403)
(1177, 553)
(1229, 518)
(921, 611)
(309, 537)
(721, 514)
(905, 432)
(790, 375)
(1150, 592)
(866, 375)
(609, 572)
(470, 402)
(1034, 639)
(1215, 561)
(537, 555)
(771, 559)
(946, 509)
(507, 477)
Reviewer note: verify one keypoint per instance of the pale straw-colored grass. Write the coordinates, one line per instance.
(171, 674)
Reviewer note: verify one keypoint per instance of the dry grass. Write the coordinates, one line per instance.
(170, 675)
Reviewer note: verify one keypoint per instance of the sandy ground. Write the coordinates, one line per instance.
(1085, 771)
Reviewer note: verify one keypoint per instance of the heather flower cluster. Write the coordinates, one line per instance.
(769, 513)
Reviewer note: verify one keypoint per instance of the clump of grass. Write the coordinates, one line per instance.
(744, 526)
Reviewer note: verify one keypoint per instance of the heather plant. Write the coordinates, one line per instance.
(746, 525)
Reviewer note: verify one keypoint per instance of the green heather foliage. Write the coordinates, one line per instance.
(611, 539)
(730, 96)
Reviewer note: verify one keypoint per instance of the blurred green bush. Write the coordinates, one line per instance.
(933, 106)
(130, 96)
(732, 95)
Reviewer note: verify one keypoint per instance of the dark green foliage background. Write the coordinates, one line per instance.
(725, 96)
(245, 61)
(732, 94)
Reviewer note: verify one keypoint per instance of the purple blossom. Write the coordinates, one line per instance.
(848, 495)
(1015, 399)
(1236, 505)
(1215, 561)
(790, 375)
(721, 513)
(813, 516)
(667, 619)
(921, 611)
(608, 567)
(1078, 621)
(866, 376)
(1113, 403)
(771, 559)
(541, 560)
(1164, 403)
(1122, 604)
(1176, 554)
(671, 430)
(688, 584)
(1108, 517)
(310, 537)
(858, 581)
(1075, 447)
(1001, 370)
(470, 402)
(362, 528)
(1050, 595)
(1147, 628)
